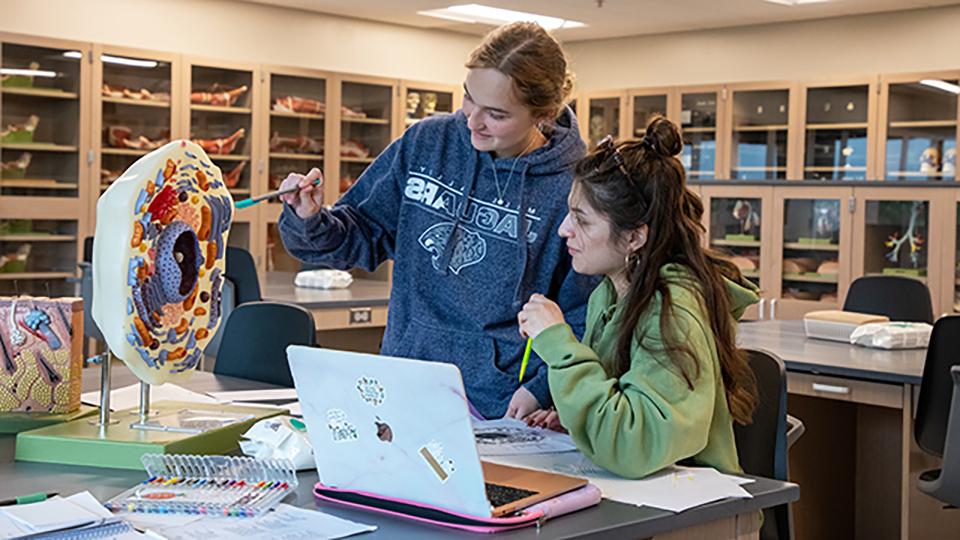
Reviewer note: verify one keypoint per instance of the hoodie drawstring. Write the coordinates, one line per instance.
(520, 293)
(450, 246)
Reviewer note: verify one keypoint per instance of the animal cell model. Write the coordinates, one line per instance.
(158, 260)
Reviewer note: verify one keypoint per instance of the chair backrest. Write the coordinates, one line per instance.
(255, 340)
(900, 298)
(228, 303)
(90, 328)
(762, 445)
(88, 249)
(241, 269)
(936, 389)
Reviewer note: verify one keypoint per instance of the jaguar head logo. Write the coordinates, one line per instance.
(469, 248)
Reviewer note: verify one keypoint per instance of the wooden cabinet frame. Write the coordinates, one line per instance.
(177, 129)
(722, 141)
(669, 92)
(765, 195)
(583, 113)
(873, 91)
(404, 86)
(61, 208)
(269, 212)
(793, 134)
(790, 308)
(250, 215)
(949, 280)
(880, 141)
(936, 225)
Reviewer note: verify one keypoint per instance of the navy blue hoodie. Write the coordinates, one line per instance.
(458, 301)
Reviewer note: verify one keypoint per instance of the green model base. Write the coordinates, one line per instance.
(907, 272)
(15, 422)
(811, 240)
(119, 446)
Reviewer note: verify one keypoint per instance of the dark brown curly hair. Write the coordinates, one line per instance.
(647, 186)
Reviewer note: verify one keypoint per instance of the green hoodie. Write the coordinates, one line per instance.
(648, 418)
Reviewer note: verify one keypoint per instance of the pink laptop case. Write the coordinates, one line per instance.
(584, 497)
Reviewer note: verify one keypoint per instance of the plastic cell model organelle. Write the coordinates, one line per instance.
(158, 263)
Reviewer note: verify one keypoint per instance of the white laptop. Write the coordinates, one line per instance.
(401, 428)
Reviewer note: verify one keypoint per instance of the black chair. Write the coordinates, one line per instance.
(88, 249)
(242, 271)
(255, 340)
(897, 297)
(762, 445)
(937, 425)
(85, 282)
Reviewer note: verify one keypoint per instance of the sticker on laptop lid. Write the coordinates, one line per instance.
(432, 454)
(371, 391)
(384, 431)
(340, 428)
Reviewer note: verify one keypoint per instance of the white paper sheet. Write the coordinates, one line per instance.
(9, 528)
(674, 489)
(509, 436)
(286, 523)
(88, 502)
(271, 394)
(129, 396)
(155, 522)
(51, 514)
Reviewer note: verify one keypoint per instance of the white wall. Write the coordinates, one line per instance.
(239, 31)
(917, 40)
(906, 41)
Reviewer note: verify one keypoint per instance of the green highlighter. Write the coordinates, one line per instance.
(27, 499)
(526, 357)
(246, 203)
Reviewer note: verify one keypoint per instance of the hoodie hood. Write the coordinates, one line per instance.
(564, 148)
(742, 295)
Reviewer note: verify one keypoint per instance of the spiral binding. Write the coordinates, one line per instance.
(104, 529)
(208, 485)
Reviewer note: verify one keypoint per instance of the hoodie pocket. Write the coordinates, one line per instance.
(476, 354)
(422, 341)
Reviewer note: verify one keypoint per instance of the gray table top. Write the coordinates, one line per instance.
(607, 520)
(360, 293)
(787, 340)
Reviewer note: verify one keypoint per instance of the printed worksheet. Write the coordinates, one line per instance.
(512, 437)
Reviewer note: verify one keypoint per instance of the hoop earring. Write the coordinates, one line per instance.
(630, 262)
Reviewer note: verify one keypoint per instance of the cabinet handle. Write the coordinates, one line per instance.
(763, 307)
(773, 309)
(831, 388)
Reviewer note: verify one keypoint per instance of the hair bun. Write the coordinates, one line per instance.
(663, 136)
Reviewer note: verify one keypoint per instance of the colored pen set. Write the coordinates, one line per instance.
(208, 485)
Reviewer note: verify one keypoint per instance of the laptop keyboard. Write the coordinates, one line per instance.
(499, 495)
